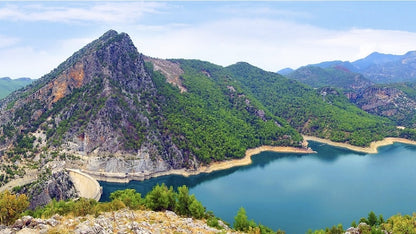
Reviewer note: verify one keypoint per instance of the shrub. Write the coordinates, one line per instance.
(129, 197)
(182, 207)
(84, 206)
(161, 198)
(213, 222)
(196, 208)
(240, 220)
(11, 206)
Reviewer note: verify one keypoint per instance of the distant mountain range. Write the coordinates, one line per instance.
(8, 85)
(377, 67)
(380, 84)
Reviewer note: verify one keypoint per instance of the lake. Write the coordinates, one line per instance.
(296, 192)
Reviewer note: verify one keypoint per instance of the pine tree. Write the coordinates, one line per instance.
(240, 220)
(372, 218)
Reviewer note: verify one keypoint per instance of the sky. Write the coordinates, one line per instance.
(35, 37)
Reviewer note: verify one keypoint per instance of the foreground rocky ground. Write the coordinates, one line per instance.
(122, 221)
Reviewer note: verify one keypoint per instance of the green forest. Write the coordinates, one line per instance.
(215, 119)
(323, 112)
(337, 77)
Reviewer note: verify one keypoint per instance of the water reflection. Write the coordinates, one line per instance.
(326, 153)
(175, 181)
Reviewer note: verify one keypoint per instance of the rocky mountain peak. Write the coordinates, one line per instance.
(97, 102)
(109, 34)
(112, 56)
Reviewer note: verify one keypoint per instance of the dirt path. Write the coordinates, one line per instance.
(27, 179)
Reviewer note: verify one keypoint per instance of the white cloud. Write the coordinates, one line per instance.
(26, 62)
(365, 41)
(254, 11)
(96, 12)
(269, 44)
(7, 41)
(72, 45)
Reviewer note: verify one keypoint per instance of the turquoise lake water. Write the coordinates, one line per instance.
(296, 192)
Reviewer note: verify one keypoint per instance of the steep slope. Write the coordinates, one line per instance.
(338, 77)
(394, 101)
(8, 85)
(106, 110)
(96, 104)
(323, 112)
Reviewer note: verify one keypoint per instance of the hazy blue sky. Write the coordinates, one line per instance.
(35, 37)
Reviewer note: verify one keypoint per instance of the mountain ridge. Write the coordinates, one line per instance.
(86, 106)
(385, 87)
(378, 67)
(338, 77)
(106, 109)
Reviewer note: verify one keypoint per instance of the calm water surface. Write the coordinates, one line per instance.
(297, 192)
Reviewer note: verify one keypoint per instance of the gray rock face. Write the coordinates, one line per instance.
(389, 102)
(121, 165)
(56, 186)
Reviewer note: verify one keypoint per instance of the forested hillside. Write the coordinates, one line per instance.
(324, 112)
(215, 118)
(338, 77)
(395, 101)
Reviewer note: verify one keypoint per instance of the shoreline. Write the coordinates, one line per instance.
(223, 165)
(372, 149)
(216, 166)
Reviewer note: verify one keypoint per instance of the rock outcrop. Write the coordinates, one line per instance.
(122, 221)
(57, 185)
(388, 101)
(172, 71)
